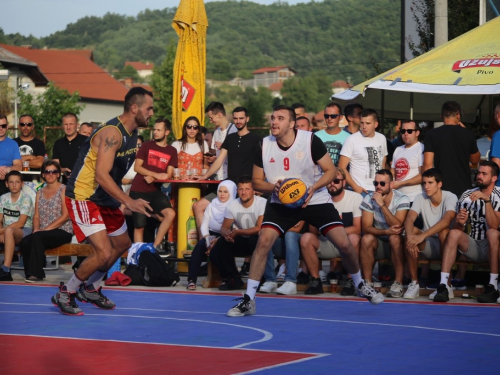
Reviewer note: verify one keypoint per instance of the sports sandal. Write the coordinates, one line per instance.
(191, 286)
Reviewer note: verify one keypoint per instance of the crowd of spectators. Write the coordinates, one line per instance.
(404, 203)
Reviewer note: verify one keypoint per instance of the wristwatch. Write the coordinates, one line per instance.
(487, 201)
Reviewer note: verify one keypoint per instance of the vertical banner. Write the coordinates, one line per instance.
(190, 24)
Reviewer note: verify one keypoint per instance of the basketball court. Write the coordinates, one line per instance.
(160, 331)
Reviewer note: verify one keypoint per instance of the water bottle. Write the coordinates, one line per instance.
(115, 267)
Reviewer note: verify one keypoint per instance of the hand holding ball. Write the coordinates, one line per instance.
(292, 193)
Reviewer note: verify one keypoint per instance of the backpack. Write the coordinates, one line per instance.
(155, 271)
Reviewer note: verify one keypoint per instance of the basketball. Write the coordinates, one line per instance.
(292, 193)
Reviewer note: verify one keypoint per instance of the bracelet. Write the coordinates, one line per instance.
(487, 201)
(382, 206)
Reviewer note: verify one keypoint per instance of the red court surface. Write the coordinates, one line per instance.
(49, 355)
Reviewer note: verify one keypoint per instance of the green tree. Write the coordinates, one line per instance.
(128, 71)
(312, 91)
(47, 109)
(162, 81)
(258, 103)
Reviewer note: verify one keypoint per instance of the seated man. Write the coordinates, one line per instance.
(16, 215)
(481, 206)
(348, 205)
(437, 208)
(247, 213)
(384, 212)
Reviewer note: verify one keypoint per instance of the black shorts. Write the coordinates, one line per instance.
(158, 202)
(322, 216)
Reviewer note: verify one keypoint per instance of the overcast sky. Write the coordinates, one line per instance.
(44, 17)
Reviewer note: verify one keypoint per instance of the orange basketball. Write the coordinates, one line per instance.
(292, 193)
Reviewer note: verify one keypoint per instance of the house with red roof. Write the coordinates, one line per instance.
(143, 69)
(269, 75)
(72, 70)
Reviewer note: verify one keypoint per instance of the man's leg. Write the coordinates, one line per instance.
(369, 244)
(491, 294)
(292, 250)
(309, 245)
(259, 258)
(168, 218)
(412, 261)
(199, 208)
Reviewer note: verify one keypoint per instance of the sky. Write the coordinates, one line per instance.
(44, 17)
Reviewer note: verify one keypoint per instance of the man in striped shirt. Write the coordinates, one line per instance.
(481, 207)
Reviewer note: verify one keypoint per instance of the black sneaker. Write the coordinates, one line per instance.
(315, 287)
(244, 307)
(66, 301)
(245, 269)
(442, 293)
(231, 284)
(490, 295)
(87, 293)
(5, 276)
(349, 289)
(303, 278)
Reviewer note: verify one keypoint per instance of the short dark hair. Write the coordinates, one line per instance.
(136, 96)
(349, 109)
(53, 163)
(215, 108)
(140, 137)
(433, 172)
(68, 114)
(450, 108)
(25, 115)
(370, 112)
(13, 173)
(298, 105)
(303, 118)
(385, 172)
(166, 123)
(334, 104)
(86, 124)
(286, 108)
(491, 164)
(245, 179)
(3, 117)
(241, 109)
(417, 126)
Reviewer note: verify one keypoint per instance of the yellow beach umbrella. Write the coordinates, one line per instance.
(468, 65)
(190, 23)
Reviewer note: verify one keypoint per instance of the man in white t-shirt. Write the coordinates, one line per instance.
(384, 212)
(364, 153)
(407, 161)
(246, 213)
(437, 208)
(333, 137)
(314, 246)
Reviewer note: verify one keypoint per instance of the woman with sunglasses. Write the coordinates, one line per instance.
(191, 147)
(51, 225)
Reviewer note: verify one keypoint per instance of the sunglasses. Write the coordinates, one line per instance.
(3, 126)
(331, 116)
(337, 180)
(409, 131)
(381, 183)
(23, 124)
(195, 127)
(51, 171)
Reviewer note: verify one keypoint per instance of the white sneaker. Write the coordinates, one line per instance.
(413, 290)
(322, 276)
(450, 294)
(396, 290)
(268, 287)
(288, 288)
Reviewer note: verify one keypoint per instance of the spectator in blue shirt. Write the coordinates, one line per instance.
(10, 158)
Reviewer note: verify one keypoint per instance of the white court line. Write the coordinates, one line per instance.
(296, 318)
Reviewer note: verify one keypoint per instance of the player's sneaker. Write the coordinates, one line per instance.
(413, 290)
(458, 284)
(322, 276)
(348, 289)
(370, 294)
(490, 295)
(87, 293)
(66, 301)
(244, 307)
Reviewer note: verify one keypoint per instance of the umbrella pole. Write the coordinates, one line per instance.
(411, 106)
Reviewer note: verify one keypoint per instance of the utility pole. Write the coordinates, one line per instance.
(440, 22)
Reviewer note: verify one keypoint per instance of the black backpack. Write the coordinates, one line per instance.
(155, 271)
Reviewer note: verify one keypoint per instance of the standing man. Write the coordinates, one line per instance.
(10, 158)
(294, 153)
(299, 109)
(86, 129)
(450, 148)
(66, 149)
(155, 160)
(32, 149)
(364, 153)
(352, 113)
(407, 162)
(333, 137)
(495, 141)
(93, 197)
(303, 123)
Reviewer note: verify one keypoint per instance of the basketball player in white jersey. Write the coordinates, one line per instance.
(292, 153)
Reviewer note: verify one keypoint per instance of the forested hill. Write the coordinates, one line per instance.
(338, 39)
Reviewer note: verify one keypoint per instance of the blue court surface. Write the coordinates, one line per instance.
(287, 335)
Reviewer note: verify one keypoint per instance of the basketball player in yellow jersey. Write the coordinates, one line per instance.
(93, 198)
(292, 153)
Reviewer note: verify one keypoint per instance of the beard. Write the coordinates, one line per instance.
(482, 185)
(159, 139)
(335, 193)
(141, 121)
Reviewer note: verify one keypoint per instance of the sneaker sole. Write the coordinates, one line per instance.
(86, 300)
(289, 293)
(62, 311)
(411, 297)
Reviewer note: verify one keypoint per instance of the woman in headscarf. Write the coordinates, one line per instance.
(210, 229)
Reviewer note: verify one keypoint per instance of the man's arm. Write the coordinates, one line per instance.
(428, 160)
(216, 164)
(416, 180)
(145, 172)
(107, 142)
(367, 225)
(356, 226)
(35, 161)
(474, 158)
(260, 183)
(249, 231)
(344, 163)
(226, 227)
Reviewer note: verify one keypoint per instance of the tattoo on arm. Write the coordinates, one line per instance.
(110, 143)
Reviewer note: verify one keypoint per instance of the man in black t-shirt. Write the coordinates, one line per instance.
(32, 149)
(450, 148)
